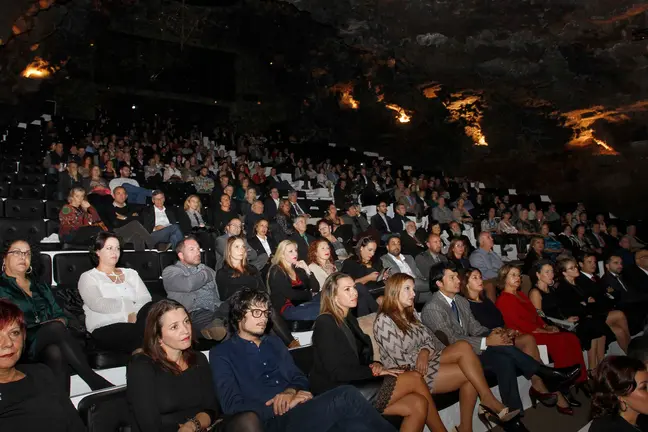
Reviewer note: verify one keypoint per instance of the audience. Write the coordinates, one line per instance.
(300, 237)
(344, 355)
(395, 262)
(193, 285)
(123, 220)
(233, 229)
(79, 221)
(170, 384)
(363, 268)
(47, 338)
(458, 254)
(161, 222)
(336, 245)
(115, 299)
(132, 187)
(32, 397)
(284, 220)
(255, 372)
(260, 240)
(410, 243)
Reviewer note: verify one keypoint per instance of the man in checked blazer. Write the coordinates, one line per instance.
(450, 313)
(396, 262)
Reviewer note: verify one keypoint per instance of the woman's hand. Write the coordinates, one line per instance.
(552, 329)
(85, 205)
(302, 265)
(572, 319)
(422, 362)
(591, 300)
(376, 368)
(187, 427)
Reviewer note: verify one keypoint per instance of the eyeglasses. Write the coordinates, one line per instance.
(256, 313)
(19, 253)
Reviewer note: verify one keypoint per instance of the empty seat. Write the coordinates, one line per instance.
(68, 268)
(52, 227)
(2, 206)
(4, 190)
(21, 191)
(30, 229)
(24, 208)
(43, 268)
(30, 179)
(6, 177)
(147, 264)
(107, 411)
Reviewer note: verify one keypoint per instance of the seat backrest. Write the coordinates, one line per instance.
(68, 268)
(4, 190)
(30, 229)
(24, 208)
(303, 358)
(44, 270)
(26, 191)
(52, 209)
(147, 264)
(167, 259)
(106, 411)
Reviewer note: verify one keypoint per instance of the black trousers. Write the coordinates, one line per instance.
(123, 337)
(82, 236)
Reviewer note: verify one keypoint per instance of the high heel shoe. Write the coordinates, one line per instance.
(565, 410)
(503, 416)
(571, 400)
(557, 378)
(547, 399)
(584, 387)
(513, 424)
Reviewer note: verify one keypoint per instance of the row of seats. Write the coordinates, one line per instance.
(28, 191)
(27, 178)
(30, 208)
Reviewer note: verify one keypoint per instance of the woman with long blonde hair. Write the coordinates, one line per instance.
(344, 355)
(293, 286)
(405, 342)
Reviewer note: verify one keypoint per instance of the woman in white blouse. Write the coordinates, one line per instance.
(115, 300)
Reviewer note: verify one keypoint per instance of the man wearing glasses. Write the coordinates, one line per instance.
(255, 372)
(233, 228)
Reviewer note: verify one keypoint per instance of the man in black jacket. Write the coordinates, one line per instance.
(397, 223)
(271, 204)
(627, 297)
(161, 222)
(302, 238)
(381, 222)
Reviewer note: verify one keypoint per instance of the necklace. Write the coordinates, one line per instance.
(114, 277)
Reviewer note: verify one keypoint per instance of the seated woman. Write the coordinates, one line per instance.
(320, 262)
(363, 268)
(32, 398)
(47, 337)
(535, 254)
(284, 220)
(485, 311)
(520, 314)
(579, 240)
(344, 355)
(561, 303)
(458, 255)
(115, 299)
(95, 183)
(261, 240)
(336, 245)
(170, 385)
(79, 221)
(248, 201)
(293, 287)
(620, 395)
(405, 342)
(193, 210)
(460, 214)
(333, 217)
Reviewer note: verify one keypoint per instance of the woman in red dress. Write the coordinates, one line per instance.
(520, 314)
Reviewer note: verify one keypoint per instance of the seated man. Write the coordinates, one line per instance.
(399, 220)
(255, 372)
(410, 243)
(233, 228)
(138, 194)
(302, 238)
(161, 222)
(255, 215)
(123, 221)
(395, 262)
(271, 204)
(425, 260)
(193, 285)
(204, 183)
(381, 222)
(450, 313)
(442, 213)
(356, 220)
(295, 208)
(637, 273)
(488, 263)
(630, 299)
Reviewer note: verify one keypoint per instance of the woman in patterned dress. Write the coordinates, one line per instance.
(344, 355)
(404, 342)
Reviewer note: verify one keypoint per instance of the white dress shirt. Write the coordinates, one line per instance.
(483, 345)
(161, 217)
(265, 244)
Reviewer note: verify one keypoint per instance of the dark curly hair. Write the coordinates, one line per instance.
(36, 265)
(242, 301)
(614, 377)
(99, 242)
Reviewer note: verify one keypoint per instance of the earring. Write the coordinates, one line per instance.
(29, 270)
(623, 405)
(3, 266)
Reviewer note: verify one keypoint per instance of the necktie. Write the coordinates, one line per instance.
(305, 238)
(618, 278)
(455, 310)
(298, 210)
(197, 219)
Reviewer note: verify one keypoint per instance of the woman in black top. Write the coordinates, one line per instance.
(362, 268)
(237, 274)
(620, 395)
(566, 304)
(535, 254)
(170, 387)
(458, 254)
(294, 290)
(488, 315)
(31, 399)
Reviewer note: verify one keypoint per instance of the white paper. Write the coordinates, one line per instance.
(612, 216)
(482, 186)
(36, 122)
(353, 149)
(22, 125)
(407, 167)
(46, 117)
(332, 144)
(512, 192)
(545, 198)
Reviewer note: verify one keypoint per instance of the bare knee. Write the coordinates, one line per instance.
(418, 405)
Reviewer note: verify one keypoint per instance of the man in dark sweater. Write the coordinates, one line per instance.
(255, 372)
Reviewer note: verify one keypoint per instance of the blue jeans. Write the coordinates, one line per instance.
(308, 311)
(170, 234)
(340, 409)
(136, 194)
(504, 361)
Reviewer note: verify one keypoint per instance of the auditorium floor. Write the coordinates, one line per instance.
(544, 419)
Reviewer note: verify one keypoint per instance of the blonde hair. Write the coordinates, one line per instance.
(327, 297)
(278, 259)
(186, 203)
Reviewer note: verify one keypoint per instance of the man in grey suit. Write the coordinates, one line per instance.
(396, 262)
(425, 260)
(193, 285)
(450, 313)
(233, 228)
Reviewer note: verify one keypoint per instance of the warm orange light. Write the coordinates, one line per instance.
(403, 116)
(346, 95)
(463, 106)
(38, 69)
